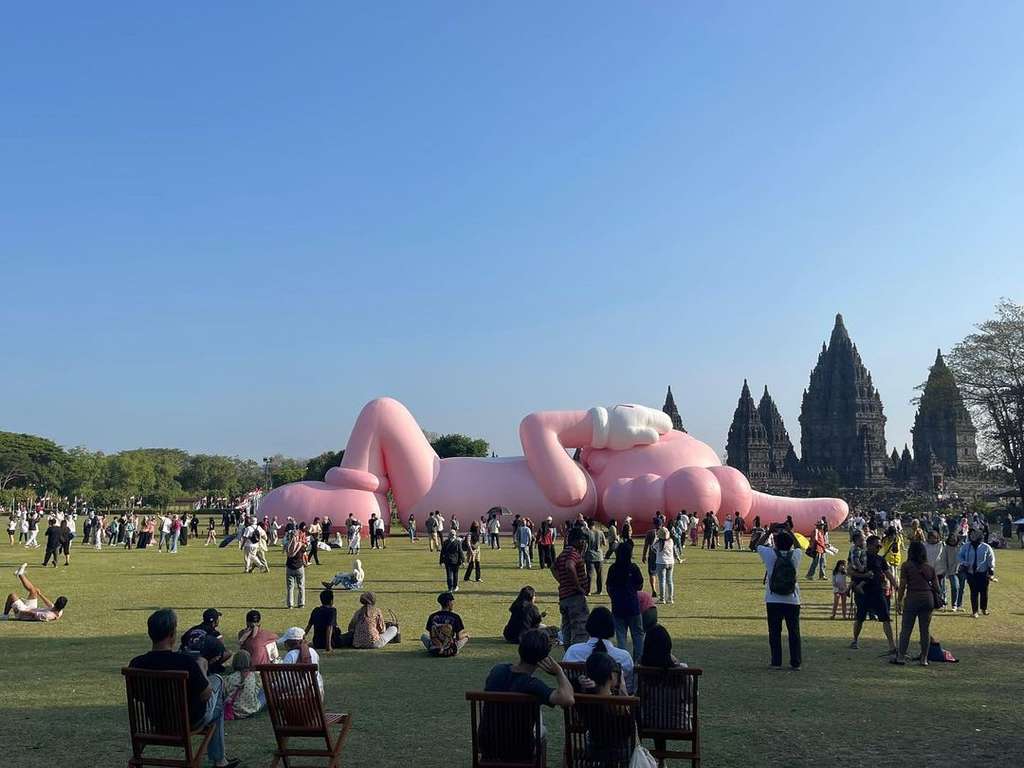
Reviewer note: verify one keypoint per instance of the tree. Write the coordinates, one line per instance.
(204, 473)
(317, 467)
(250, 475)
(989, 367)
(455, 444)
(27, 460)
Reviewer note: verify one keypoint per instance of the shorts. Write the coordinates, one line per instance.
(652, 566)
(20, 605)
(871, 602)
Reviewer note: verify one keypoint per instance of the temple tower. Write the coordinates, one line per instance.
(670, 408)
(782, 460)
(747, 445)
(943, 430)
(841, 419)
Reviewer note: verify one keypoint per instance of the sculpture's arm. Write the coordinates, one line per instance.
(546, 435)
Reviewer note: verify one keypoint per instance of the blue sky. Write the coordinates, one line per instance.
(226, 228)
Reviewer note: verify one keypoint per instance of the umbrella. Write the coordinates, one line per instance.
(499, 511)
(802, 540)
(1019, 521)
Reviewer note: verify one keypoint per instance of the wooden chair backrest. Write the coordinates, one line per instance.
(294, 701)
(668, 699)
(505, 729)
(600, 731)
(573, 670)
(158, 707)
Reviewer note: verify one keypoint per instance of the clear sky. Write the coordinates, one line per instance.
(225, 226)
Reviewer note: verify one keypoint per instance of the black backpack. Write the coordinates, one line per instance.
(783, 578)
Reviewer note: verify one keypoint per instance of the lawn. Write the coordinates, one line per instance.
(62, 697)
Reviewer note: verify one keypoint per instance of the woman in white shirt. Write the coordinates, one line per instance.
(665, 554)
(601, 626)
(299, 652)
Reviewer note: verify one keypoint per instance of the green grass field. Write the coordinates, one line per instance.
(62, 697)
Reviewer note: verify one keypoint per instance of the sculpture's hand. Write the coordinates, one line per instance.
(625, 426)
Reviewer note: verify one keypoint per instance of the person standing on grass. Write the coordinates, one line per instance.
(546, 544)
(382, 533)
(738, 527)
(594, 558)
(624, 585)
(53, 537)
(664, 555)
(451, 558)
(573, 588)
(782, 597)
(920, 585)
(523, 538)
(314, 532)
(818, 544)
(977, 561)
(869, 573)
(473, 541)
(431, 526)
(411, 528)
(727, 528)
(647, 556)
(372, 525)
(33, 518)
(205, 694)
(295, 571)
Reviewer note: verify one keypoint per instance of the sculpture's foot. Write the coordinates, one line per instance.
(310, 499)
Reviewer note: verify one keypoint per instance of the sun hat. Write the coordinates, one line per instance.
(292, 633)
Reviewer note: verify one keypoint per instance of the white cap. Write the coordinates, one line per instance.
(293, 633)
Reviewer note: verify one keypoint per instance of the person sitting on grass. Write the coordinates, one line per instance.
(348, 580)
(446, 634)
(601, 628)
(324, 623)
(534, 654)
(523, 615)
(28, 609)
(205, 693)
(299, 652)
(242, 689)
(259, 643)
(368, 628)
(205, 641)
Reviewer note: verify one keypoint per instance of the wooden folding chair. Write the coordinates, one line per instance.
(506, 730)
(296, 710)
(668, 711)
(158, 717)
(600, 731)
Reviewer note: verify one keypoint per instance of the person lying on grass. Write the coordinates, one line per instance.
(28, 609)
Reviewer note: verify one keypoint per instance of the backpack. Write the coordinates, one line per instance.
(937, 653)
(783, 578)
(442, 640)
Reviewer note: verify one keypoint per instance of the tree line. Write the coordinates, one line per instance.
(35, 467)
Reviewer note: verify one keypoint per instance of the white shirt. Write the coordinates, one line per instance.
(665, 552)
(165, 526)
(582, 651)
(292, 657)
(768, 557)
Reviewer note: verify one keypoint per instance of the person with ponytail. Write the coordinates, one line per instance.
(603, 677)
(601, 628)
(299, 652)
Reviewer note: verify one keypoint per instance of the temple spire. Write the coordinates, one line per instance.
(673, 413)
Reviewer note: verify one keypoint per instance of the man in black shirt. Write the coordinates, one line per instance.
(446, 634)
(206, 642)
(872, 598)
(205, 695)
(54, 537)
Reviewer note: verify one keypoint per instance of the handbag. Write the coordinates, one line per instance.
(641, 757)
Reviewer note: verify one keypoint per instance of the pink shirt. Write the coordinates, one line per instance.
(645, 600)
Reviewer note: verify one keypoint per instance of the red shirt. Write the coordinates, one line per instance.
(566, 564)
(256, 644)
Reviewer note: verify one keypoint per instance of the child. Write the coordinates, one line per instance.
(840, 587)
(211, 533)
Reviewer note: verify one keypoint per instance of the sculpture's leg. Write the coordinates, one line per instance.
(805, 512)
(545, 436)
(387, 448)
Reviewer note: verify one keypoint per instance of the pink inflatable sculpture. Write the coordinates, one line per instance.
(632, 463)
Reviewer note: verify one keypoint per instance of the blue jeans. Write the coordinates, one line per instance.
(524, 558)
(215, 714)
(635, 625)
(817, 563)
(174, 541)
(666, 585)
(956, 589)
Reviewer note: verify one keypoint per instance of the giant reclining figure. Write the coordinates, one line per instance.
(631, 463)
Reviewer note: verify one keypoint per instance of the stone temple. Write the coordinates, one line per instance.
(842, 426)
(944, 437)
(759, 445)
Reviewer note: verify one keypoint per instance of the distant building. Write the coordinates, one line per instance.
(842, 426)
(783, 464)
(747, 446)
(944, 436)
(670, 408)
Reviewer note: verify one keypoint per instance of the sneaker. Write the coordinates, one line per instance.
(854, 645)
(21, 570)
(455, 590)
(985, 612)
(974, 615)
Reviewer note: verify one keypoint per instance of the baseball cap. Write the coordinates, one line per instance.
(253, 617)
(210, 614)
